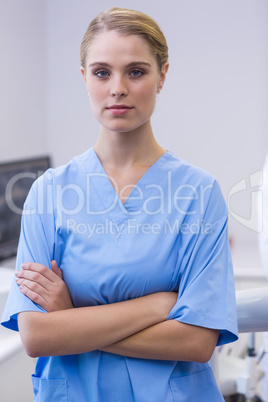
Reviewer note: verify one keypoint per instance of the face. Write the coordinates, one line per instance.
(122, 80)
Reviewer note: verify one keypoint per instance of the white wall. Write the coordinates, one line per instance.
(23, 80)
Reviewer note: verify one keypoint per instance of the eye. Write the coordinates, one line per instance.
(136, 73)
(101, 74)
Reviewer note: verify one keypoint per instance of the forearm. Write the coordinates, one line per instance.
(85, 329)
(168, 340)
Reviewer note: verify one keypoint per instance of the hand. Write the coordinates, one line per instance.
(43, 286)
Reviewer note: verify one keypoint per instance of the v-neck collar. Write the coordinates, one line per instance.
(114, 207)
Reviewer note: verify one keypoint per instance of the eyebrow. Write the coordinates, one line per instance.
(133, 64)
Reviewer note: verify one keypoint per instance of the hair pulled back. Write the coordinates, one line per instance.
(127, 22)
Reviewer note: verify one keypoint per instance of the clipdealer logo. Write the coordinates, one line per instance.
(255, 189)
(71, 198)
(160, 201)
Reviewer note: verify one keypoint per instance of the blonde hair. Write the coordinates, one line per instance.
(127, 22)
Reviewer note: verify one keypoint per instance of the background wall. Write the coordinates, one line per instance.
(211, 112)
(23, 111)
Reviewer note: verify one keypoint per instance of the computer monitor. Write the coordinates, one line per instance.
(16, 179)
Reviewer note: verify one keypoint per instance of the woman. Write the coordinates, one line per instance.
(140, 239)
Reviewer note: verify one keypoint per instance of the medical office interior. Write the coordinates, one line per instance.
(216, 97)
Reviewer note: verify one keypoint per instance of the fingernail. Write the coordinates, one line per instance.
(24, 265)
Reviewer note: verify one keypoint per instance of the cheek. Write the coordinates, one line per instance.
(147, 95)
(95, 95)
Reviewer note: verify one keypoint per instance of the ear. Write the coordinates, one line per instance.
(83, 73)
(162, 77)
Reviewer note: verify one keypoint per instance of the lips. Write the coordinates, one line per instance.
(119, 107)
(119, 110)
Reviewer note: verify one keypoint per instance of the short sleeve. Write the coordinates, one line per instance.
(206, 295)
(36, 244)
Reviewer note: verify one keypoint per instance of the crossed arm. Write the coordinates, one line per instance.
(136, 328)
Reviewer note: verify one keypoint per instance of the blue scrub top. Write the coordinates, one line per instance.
(169, 235)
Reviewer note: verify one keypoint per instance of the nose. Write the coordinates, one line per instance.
(118, 87)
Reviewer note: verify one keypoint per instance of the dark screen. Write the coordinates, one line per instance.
(16, 179)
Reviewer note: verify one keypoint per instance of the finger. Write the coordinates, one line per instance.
(32, 276)
(56, 269)
(35, 297)
(41, 269)
(34, 286)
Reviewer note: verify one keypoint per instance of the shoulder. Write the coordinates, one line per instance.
(75, 167)
(67, 173)
(60, 179)
(196, 184)
(187, 172)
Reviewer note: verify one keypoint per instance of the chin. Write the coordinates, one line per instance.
(124, 126)
(120, 128)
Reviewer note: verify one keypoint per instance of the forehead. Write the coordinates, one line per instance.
(110, 46)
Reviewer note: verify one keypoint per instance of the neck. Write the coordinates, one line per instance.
(121, 150)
